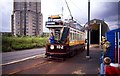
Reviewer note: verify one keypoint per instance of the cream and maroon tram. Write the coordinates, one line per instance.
(69, 39)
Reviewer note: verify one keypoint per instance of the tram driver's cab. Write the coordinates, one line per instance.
(56, 34)
(56, 26)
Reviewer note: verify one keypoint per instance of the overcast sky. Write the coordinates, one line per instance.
(100, 9)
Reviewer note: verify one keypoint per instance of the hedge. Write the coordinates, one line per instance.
(20, 43)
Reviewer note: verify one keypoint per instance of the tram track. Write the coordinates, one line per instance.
(41, 61)
(37, 65)
(30, 61)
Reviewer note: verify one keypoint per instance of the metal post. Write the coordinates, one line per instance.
(88, 30)
(118, 48)
(100, 35)
(89, 37)
(116, 58)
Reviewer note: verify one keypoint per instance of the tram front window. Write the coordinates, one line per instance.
(57, 35)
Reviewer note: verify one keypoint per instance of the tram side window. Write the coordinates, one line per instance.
(80, 37)
(77, 36)
(83, 37)
(74, 36)
(71, 36)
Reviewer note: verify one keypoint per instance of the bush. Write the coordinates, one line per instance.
(19, 43)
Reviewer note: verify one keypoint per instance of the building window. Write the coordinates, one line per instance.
(33, 26)
(30, 4)
(33, 29)
(26, 28)
(33, 32)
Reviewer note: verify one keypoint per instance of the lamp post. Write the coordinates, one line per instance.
(88, 39)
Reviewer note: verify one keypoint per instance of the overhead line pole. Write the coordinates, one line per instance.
(88, 39)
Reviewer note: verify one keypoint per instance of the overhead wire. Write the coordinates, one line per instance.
(70, 11)
(76, 9)
(70, 1)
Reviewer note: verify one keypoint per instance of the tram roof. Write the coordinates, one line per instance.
(55, 17)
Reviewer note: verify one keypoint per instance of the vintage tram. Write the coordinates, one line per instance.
(69, 39)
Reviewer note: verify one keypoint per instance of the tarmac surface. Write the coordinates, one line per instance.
(9, 57)
(78, 64)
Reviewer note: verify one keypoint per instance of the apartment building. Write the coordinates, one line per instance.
(27, 19)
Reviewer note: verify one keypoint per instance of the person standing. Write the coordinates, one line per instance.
(109, 70)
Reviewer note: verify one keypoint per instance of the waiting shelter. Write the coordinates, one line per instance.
(97, 28)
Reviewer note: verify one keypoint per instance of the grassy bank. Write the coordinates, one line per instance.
(19, 43)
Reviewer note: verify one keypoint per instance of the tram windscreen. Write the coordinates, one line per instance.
(57, 34)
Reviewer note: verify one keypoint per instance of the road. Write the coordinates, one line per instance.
(40, 65)
(12, 57)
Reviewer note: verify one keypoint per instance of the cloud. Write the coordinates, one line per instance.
(112, 18)
(100, 9)
(6, 11)
(113, 25)
(107, 11)
(104, 10)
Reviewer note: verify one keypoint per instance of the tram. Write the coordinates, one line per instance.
(69, 39)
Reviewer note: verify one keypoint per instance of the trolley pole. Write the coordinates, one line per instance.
(88, 39)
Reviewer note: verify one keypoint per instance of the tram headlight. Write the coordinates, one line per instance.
(52, 47)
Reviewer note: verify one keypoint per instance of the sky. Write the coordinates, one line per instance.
(100, 9)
